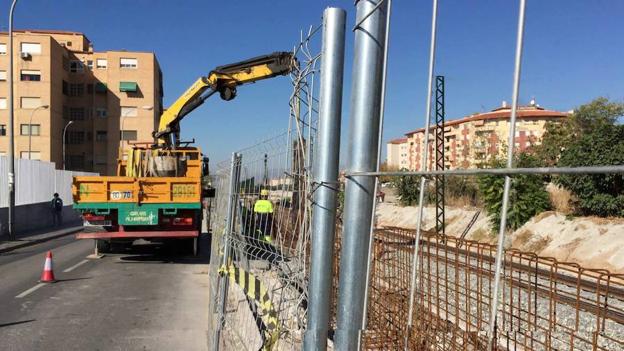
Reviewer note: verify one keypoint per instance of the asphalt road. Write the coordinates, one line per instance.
(144, 298)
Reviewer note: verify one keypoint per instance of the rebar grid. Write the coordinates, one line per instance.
(266, 306)
(545, 303)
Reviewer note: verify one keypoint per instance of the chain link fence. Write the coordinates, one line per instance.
(261, 223)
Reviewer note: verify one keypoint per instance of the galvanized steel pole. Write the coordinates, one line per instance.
(326, 179)
(423, 166)
(227, 232)
(382, 107)
(510, 154)
(11, 151)
(364, 134)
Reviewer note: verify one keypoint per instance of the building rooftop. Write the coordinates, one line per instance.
(398, 141)
(530, 111)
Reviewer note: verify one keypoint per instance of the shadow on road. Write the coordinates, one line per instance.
(16, 323)
(70, 279)
(172, 252)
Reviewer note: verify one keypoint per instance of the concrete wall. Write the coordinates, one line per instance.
(35, 216)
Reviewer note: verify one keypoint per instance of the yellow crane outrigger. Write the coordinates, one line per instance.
(223, 79)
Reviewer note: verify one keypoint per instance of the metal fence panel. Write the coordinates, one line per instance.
(265, 296)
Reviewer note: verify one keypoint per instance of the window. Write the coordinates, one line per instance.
(76, 113)
(33, 130)
(30, 76)
(90, 64)
(101, 63)
(3, 48)
(3, 75)
(31, 48)
(75, 138)
(65, 88)
(101, 135)
(3, 103)
(100, 159)
(129, 111)
(90, 89)
(3, 130)
(30, 102)
(34, 155)
(101, 112)
(128, 63)
(75, 161)
(69, 43)
(76, 66)
(100, 87)
(76, 89)
(128, 135)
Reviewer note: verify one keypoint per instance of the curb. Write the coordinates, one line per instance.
(40, 240)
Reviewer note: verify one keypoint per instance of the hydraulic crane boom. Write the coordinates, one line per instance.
(223, 79)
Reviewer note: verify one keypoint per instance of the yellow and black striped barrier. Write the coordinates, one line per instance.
(254, 289)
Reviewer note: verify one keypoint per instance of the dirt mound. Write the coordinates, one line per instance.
(589, 241)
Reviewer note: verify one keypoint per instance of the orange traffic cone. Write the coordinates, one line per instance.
(48, 274)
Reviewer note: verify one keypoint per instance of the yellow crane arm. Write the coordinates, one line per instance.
(223, 79)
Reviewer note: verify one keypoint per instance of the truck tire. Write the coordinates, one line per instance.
(103, 246)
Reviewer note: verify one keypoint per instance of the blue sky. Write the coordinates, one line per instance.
(573, 53)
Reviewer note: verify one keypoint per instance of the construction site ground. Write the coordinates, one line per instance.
(592, 242)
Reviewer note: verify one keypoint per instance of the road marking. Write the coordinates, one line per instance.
(29, 290)
(75, 266)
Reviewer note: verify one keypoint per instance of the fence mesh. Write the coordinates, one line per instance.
(546, 304)
(266, 273)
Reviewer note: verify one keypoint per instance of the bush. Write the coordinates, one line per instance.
(407, 190)
(527, 197)
(462, 190)
(596, 194)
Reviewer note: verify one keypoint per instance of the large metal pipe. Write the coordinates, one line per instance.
(11, 151)
(326, 179)
(510, 154)
(227, 232)
(423, 167)
(382, 108)
(364, 139)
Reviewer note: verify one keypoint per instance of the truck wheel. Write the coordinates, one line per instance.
(103, 246)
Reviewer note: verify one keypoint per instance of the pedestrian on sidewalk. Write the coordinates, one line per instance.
(57, 210)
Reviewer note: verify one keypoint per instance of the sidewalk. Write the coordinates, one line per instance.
(39, 236)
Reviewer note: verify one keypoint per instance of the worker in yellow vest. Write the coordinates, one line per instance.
(263, 210)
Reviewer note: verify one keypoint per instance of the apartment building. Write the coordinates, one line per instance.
(101, 99)
(473, 140)
(397, 153)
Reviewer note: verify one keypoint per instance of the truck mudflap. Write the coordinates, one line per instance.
(138, 235)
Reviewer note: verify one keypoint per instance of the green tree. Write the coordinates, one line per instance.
(584, 119)
(407, 189)
(596, 194)
(527, 197)
(589, 137)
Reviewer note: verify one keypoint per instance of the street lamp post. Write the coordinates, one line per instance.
(42, 107)
(64, 131)
(11, 151)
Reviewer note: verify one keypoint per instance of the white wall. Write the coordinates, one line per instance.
(36, 181)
